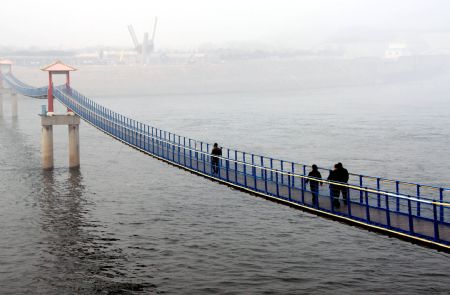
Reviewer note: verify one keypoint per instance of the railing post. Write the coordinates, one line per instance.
(261, 158)
(418, 203)
(331, 199)
(245, 169)
(235, 167)
(153, 141)
(410, 217)
(441, 207)
(190, 155)
(145, 136)
(289, 188)
(204, 159)
(282, 169)
(207, 157)
(173, 153)
(388, 212)
(436, 224)
(271, 169)
(265, 181)
(164, 151)
(303, 184)
(293, 178)
(129, 135)
(179, 149)
(201, 149)
(140, 136)
(254, 172)
(227, 167)
(184, 151)
(397, 191)
(378, 195)
(349, 203)
(360, 191)
(148, 138)
(276, 181)
(196, 155)
(366, 196)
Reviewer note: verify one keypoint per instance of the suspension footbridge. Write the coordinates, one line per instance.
(412, 211)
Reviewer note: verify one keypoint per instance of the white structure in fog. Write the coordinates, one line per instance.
(396, 50)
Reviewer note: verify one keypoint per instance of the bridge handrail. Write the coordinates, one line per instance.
(23, 88)
(33, 91)
(287, 173)
(287, 162)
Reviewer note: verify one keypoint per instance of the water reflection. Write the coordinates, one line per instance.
(76, 255)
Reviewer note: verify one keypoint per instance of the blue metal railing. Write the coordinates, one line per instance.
(395, 205)
(23, 88)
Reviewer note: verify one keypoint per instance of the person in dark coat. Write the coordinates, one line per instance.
(314, 184)
(342, 176)
(215, 154)
(334, 189)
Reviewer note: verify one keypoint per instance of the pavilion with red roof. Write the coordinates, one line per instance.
(56, 68)
(5, 64)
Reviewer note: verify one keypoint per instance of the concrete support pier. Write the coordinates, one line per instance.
(14, 105)
(74, 146)
(47, 147)
(1, 105)
(73, 123)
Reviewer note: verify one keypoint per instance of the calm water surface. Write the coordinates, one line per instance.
(129, 224)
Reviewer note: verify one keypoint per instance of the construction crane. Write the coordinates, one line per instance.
(147, 46)
(152, 43)
(137, 46)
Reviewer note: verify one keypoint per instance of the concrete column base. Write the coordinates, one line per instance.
(1, 105)
(74, 146)
(14, 105)
(73, 123)
(47, 147)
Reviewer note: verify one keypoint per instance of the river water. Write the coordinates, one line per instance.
(129, 224)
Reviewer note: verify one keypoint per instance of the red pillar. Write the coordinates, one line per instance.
(68, 79)
(50, 92)
(68, 85)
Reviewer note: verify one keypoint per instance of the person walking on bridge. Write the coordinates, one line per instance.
(338, 174)
(215, 154)
(334, 189)
(314, 184)
(342, 176)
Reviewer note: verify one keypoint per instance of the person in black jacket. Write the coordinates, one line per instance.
(338, 174)
(215, 154)
(342, 176)
(314, 184)
(334, 189)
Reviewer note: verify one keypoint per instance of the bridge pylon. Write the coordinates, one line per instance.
(49, 119)
(1, 104)
(6, 68)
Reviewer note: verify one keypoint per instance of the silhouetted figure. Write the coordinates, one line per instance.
(338, 174)
(342, 176)
(314, 184)
(334, 189)
(216, 151)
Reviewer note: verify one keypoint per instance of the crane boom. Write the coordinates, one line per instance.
(133, 36)
(154, 30)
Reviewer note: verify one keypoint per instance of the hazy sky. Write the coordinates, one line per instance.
(188, 23)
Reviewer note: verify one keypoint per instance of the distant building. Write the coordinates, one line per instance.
(396, 50)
